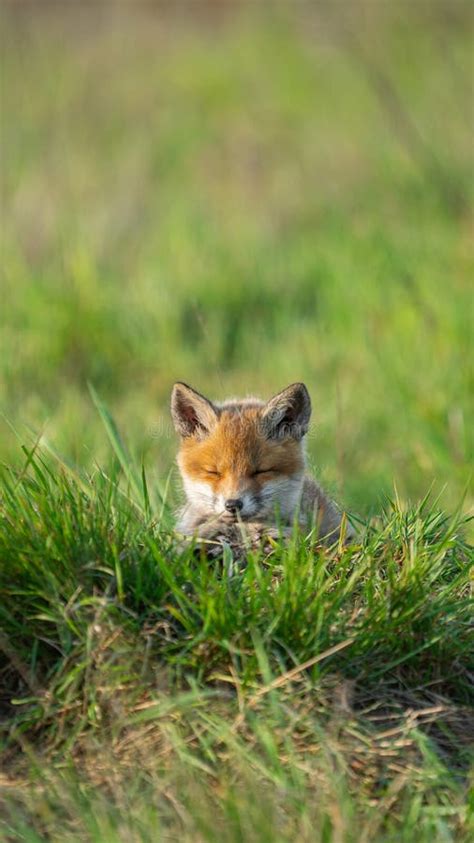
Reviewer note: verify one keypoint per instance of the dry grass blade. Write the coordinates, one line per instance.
(279, 681)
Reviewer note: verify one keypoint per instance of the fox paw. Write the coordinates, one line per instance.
(238, 538)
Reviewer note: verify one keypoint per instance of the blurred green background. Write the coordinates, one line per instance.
(240, 196)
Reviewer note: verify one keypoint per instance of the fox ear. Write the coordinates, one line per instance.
(192, 413)
(287, 413)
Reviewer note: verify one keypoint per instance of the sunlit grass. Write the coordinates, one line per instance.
(346, 672)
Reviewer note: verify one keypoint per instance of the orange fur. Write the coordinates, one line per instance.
(236, 449)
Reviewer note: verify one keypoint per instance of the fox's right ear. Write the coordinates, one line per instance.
(287, 413)
(193, 415)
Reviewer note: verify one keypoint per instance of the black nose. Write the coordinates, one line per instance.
(234, 504)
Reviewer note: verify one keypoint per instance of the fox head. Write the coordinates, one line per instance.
(242, 459)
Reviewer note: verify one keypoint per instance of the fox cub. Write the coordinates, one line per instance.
(244, 461)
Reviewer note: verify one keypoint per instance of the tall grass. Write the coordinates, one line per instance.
(128, 662)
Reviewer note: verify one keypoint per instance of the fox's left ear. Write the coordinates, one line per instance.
(287, 413)
(192, 413)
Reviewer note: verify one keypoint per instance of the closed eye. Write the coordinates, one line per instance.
(212, 472)
(263, 471)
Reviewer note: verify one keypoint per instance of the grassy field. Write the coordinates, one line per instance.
(238, 196)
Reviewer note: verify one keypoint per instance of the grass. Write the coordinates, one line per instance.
(242, 199)
(166, 692)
